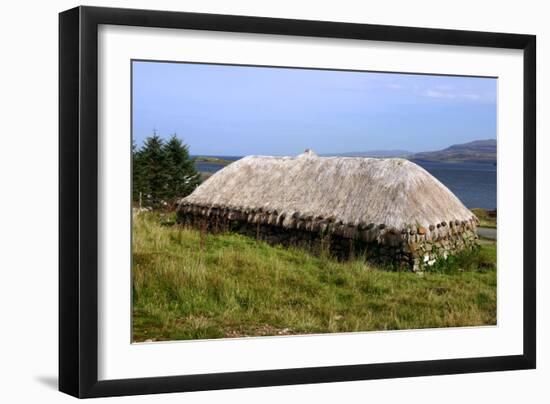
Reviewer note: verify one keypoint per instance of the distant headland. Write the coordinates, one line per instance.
(477, 151)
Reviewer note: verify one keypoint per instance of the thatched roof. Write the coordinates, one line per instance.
(354, 192)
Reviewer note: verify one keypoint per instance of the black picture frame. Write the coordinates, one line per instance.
(78, 201)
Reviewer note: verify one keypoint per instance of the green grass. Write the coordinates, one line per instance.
(214, 160)
(192, 286)
(486, 218)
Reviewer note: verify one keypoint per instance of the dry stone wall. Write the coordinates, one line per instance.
(414, 248)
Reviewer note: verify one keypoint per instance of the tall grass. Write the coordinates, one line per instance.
(188, 285)
(486, 217)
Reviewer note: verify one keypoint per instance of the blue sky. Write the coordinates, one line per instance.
(239, 110)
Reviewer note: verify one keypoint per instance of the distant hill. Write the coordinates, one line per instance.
(373, 153)
(478, 151)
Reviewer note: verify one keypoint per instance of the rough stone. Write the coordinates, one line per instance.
(412, 249)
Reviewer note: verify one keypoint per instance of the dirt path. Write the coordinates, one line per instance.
(487, 232)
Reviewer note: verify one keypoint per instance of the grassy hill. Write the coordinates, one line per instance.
(212, 160)
(188, 285)
(373, 153)
(478, 151)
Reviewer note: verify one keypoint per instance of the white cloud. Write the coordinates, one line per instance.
(438, 94)
(395, 86)
(451, 95)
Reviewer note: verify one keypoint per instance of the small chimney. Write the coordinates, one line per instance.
(308, 153)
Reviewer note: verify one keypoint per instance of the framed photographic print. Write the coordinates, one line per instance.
(250, 201)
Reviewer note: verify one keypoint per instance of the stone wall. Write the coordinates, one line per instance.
(425, 250)
(414, 249)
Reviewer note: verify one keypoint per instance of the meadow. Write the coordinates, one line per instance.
(192, 285)
(487, 218)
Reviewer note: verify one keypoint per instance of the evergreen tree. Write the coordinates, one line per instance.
(182, 176)
(139, 183)
(152, 161)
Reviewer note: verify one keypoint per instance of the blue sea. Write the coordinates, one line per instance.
(475, 184)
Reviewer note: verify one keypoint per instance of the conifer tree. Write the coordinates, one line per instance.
(182, 176)
(139, 185)
(152, 161)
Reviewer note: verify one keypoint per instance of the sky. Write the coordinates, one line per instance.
(239, 110)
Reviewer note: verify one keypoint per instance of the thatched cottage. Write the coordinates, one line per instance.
(389, 209)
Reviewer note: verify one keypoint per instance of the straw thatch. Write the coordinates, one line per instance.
(349, 196)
